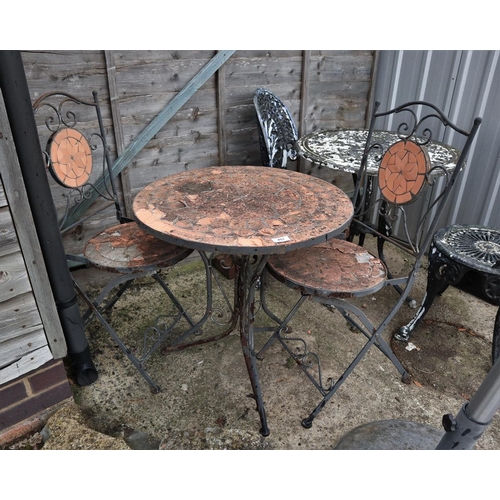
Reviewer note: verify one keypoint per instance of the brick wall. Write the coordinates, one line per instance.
(26, 401)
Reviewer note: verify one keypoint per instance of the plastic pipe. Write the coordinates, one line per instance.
(24, 132)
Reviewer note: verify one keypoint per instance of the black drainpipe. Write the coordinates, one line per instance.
(24, 132)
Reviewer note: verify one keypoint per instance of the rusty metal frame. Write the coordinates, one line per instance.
(294, 269)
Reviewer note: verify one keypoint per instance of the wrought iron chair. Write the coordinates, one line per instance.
(335, 271)
(458, 252)
(277, 130)
(123, 250)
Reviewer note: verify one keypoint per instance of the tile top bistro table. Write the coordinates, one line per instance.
(250, 213)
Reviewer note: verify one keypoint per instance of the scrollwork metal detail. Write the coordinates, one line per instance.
(308, 361)
(491, 287)
(449, 271)
(158, 334)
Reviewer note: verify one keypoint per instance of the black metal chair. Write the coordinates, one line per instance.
(459, 252)
(335, 271)
(277, 130)
(123, 250)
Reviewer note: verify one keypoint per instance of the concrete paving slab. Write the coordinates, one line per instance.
(205, 400)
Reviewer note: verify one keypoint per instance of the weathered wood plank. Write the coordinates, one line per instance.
(304, 100)
(221, 114)
(262, 73)
(152, 76)
(13, 276)
(335, 67)
(262, 54)
(3, 199)
(196, 118)
(30, 362)
(8, 237)
(28, 240)
(142, 108)
(70, 71)
(18, 314)
(118, 129)
(15, 348)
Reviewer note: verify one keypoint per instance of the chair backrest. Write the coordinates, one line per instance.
(277, 130)
(405, 171)
(77, 156)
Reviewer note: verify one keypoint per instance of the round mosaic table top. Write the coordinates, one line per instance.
(243, 209)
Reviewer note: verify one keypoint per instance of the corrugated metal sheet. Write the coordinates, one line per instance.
(464, 84)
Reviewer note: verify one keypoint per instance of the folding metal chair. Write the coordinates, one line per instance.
(457, 252)
(123, 250)
(335, 271)
(277, 130)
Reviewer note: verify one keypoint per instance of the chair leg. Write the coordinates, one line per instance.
(120, 285)
(307, 422)
(380, 248)
(121, 290)
(385, 228)
(490, 287)
(309, 362)
(133, 359)
(363, 198)
(495, 352)
(375, 339)
(283, 326)
(173, 298)
(155, 335)
(374, 336)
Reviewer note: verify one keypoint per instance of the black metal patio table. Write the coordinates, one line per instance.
(342, 150)
(250, 213)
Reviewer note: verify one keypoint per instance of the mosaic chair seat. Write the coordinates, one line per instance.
(336, 273)
(75, 146)
(457, 252)
(277, 131)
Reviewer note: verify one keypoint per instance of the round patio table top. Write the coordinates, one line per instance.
(477, 247)
(242, 209)
(343, 149)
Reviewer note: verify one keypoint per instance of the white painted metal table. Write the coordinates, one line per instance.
(343, 149)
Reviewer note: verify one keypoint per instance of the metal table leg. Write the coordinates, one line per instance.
(247, 280)
(442, 273)
(495, 351)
